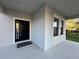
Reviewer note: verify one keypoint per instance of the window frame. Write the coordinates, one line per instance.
(56, 29)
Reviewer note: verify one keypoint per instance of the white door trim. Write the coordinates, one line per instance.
(14, 29)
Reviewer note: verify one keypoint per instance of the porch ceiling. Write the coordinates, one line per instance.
(67, 7)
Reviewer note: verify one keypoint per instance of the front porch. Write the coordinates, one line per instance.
(65, 50)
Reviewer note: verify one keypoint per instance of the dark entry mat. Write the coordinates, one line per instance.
(23, 44)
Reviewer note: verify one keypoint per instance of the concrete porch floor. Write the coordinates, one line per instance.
(65, 50)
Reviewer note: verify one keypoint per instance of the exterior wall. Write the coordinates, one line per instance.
(1, 10)
(19, 14)
(6, 25)
(5, 29)
(42, 27)
(38, 28)
(50, 40)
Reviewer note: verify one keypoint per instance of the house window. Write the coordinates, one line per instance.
(56, 26)
(62, 26)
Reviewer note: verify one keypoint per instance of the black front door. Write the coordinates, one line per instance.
(22, 30)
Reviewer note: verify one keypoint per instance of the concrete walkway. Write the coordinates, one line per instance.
(65, 50)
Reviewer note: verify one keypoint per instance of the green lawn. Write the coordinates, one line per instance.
(72, 36)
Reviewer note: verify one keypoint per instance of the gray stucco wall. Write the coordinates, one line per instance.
(50, 40)
(7, 19)
(5, 29)
(1, 9)
(42, 28)
(38, 28)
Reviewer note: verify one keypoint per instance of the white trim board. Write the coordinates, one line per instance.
(14, 29)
